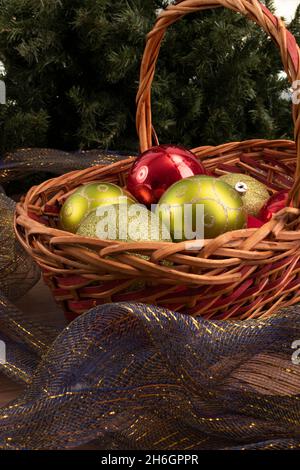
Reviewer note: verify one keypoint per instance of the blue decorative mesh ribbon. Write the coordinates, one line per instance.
(138, 377)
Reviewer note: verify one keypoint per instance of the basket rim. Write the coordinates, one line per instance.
(23, 218)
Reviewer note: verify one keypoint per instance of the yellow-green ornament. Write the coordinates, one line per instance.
(88, 197)
(201, 201)
(134, 223)
(253, 193)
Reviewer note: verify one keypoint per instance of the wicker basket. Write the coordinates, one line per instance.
(242, 274)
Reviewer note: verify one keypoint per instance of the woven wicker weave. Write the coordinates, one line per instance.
(241, 274)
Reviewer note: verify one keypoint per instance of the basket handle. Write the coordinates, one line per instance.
(253, 9)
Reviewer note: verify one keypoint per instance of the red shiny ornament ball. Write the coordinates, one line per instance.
(254, 222)
(158, 168)
(273, 205)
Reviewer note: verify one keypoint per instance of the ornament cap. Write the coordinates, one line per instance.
(241, 187)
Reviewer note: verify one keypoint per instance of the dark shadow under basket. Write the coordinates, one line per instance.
(248, 273)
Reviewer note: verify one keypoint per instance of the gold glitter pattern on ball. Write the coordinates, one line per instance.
(254, 194)
(142, 225)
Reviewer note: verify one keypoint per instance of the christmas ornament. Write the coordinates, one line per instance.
(275, 203)
(158, 168)
(124, 223)
(88, 197)
(181, 205)
(253, 222)
(254, 194)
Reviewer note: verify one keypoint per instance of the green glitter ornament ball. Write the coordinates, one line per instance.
(132, 223)
(88, 197)
(253, 193)
(126, 223)
(201, 201)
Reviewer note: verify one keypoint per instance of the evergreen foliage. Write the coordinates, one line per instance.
(72, 69)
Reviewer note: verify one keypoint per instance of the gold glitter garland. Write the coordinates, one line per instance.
(15, 165)
(18, 273)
